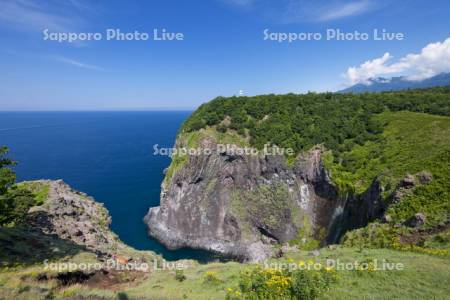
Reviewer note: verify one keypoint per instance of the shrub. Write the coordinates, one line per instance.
(299, 284)
(179, 275)
(211, 278)
(439, 241)
(14, 201)
(374, 235)
(222, 128)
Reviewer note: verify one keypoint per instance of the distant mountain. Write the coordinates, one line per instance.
(398, 83)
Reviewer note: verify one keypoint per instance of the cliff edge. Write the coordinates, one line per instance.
(242, 205)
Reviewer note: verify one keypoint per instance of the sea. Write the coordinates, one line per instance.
(107, 154)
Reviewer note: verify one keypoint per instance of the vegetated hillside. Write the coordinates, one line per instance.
(230, 280)
(411, 143)
(338, 121)
(405, 142)
(383, 136)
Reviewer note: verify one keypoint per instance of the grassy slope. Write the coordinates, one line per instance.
(424, 277)
(39, 189)
(430, 273)
(410, 143)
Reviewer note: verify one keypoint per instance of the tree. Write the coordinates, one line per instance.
(14, 201)
(7, 176)
(337, 121)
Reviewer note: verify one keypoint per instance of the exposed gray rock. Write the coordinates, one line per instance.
(74, 216)
(332, 247)
(418, 220)
(408, 182)
(424, 177)
(386, 219)
(356, 211)
(239, 205)
(286, 248)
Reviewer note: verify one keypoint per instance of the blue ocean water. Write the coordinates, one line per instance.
(108, 155)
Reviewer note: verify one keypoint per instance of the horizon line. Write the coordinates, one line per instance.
(99, 110)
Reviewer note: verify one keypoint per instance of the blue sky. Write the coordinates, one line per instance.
(223, 50)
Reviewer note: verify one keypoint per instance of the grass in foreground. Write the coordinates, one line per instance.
(423, 277)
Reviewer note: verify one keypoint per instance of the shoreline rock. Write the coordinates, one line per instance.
(72, 215)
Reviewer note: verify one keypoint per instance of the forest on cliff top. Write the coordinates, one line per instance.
(339, 121)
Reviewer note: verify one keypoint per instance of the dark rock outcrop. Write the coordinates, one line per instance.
(357, 211)
(238, 205)
(418, 220)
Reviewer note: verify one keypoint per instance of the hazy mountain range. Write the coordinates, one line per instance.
(398, 83)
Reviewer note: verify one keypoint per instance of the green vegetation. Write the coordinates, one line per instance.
(305, 239)
(368, 137)
(7, 176)
(39, 189)
(382, 136)
(192, 140)
(211, 278)
(438, 241)
(267, 283)
(21, 246)
(338, 121)
(14, 200)
(267, 204)
(374, 235)
(430, 273)
(270, 206)
(179, 275)
(401, 238)
(411, 143)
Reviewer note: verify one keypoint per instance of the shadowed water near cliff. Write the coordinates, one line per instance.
(108, 155)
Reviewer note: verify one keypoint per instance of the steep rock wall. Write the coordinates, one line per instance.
(240, 205)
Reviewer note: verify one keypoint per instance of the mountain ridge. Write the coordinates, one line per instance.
(381, 84)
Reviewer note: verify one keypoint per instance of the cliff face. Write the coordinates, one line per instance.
(73, 215)
(239, 205)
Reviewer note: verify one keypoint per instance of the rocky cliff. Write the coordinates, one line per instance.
(73, 215)
(241, 205)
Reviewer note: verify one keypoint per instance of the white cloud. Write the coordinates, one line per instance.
(295, 11)
(432, 60)
(323, 11)
(344, 10)
(76, 63)
(370, 69)
(35, 16)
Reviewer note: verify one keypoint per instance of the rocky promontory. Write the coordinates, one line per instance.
(72, 215)
(242, 205)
